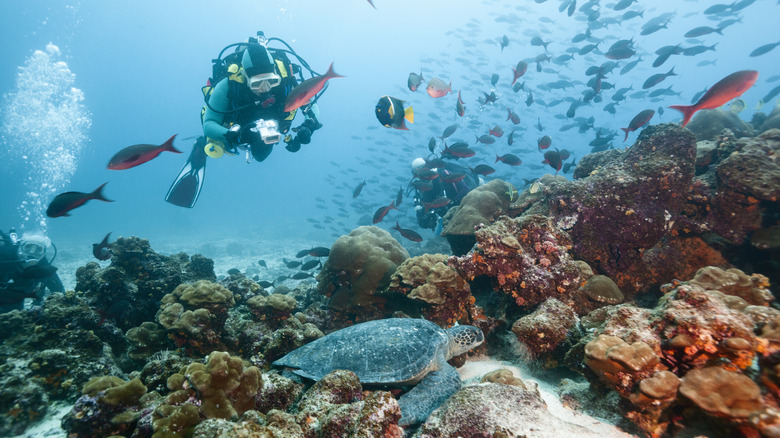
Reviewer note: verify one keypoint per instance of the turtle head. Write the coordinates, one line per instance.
(463, 338)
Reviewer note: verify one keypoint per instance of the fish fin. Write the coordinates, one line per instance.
(168, 145)
(409, 114)
(332, 74)
(626, 130)
(686, 110)
(98, 193)
(402, 127)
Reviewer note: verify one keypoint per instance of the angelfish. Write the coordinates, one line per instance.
(135, 155)
(303, 92)
(101, 250)
(391, 113)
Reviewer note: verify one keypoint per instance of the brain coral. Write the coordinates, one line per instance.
(195, 314)
(359, 265)
(480, 206)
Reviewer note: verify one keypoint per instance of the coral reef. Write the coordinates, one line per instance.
(480, 206)
(444, 296)
(129, 290)
(621, 213)
(526, 257)
(597, 292)
(336, 406)
(194, 315)
(700, 337)
(108, 406)
(360, 264)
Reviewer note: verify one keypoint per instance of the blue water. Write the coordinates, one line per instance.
(137, 69)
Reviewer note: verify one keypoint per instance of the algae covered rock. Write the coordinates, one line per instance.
(708, 124)
(445, 296)
(480, 206)
(360, 264)
(526, 257)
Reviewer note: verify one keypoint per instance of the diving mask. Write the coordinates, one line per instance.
(263, 83)
(31, 251)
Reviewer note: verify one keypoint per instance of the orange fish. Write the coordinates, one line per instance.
(730, 87)
(437, 88)
(303, 92)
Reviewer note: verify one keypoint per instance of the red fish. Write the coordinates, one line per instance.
(135, 155)
(453, 177)
(436, 203)
(728, 88)
(518, 71)
(303, 92)
(512, 116)
(382, 212)
(65, 202)
(638, 121)
(438, 88)
(544, 142)
(407, 233)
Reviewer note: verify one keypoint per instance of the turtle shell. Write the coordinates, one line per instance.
(387, 351)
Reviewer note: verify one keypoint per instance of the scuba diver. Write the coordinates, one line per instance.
(446, 184)
(25, 272)
(244, 111)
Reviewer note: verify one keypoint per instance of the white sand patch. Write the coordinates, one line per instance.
(472, 371)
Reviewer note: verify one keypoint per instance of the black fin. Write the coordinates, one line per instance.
(186, 187)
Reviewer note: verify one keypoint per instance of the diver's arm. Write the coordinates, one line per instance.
(212, 120)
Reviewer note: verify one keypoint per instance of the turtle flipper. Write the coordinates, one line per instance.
(436, 387)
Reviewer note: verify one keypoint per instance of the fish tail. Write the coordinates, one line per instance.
(168, 145)
(392, 206)
(332, 74)
(497, 158)
(671, 72)
(686, 110)
(626, 130)
(98, 193)
(409, 114)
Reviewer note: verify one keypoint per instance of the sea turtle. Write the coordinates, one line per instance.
(395, 352)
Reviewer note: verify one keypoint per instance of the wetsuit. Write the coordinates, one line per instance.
(232, 102)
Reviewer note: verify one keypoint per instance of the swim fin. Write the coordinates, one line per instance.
(185, 189)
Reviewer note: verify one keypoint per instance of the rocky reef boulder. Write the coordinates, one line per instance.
(360, 264)
(480, 206)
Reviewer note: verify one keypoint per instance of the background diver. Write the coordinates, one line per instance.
(244, 110)
(438, 187)
(25, 272)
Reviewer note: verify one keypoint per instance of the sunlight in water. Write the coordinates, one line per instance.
(46, 122)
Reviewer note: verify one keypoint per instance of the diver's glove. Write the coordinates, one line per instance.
(293, 145)
(233, 134)
(305, 130)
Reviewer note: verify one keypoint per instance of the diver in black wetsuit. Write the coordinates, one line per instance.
(438, 188)
(25, 272)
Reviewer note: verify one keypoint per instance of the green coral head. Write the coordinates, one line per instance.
(463, 338)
